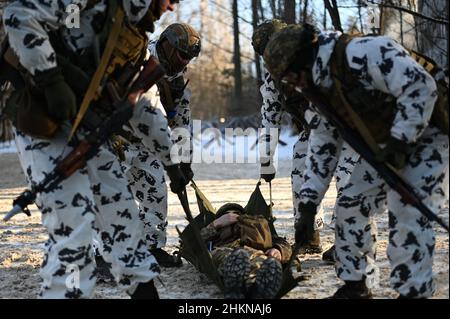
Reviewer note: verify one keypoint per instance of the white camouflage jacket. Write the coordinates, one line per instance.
(271, 115)
(181, 119)
(28, 22)
(381, 64)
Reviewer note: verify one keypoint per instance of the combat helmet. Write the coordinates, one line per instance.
(184, 38)
(293, 48)
(264, 32)
(230, 207)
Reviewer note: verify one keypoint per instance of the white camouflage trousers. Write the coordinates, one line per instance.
(94, 198)
(144, 166)
(411, 237)
(342, 174)
(298, 166)
(362, 197)
(145, 175)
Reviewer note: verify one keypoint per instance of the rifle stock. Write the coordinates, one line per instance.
(354, 139)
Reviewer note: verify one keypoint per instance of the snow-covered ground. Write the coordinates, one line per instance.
(7, 147)
(21, 240)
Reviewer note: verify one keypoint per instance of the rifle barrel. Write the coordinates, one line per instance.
(13, 212)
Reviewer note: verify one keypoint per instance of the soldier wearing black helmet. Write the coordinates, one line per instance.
(394, 98)
(177, 45)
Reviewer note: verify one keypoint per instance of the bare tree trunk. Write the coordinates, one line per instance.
(382, 17)
(261, 10)
(280, 9)
(433, 37)
(203, 6)
(257, 59)
(236, 59)
(401, 28)
(305, 11)
(273, 8)
(300, 11)
(289, 11)
(361, 26)
(333, 11)
(324, 18)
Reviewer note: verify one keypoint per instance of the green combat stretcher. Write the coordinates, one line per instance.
(189, 245)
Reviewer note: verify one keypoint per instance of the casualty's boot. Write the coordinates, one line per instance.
(313, 246)
(268, 280)
(330, 255)
(234, 270)
(164, 259)
(353, 290)
(145, 290)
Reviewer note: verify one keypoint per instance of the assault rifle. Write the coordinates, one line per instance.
(89, 146)
(354, 139)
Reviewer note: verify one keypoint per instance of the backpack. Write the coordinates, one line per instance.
(381, 106)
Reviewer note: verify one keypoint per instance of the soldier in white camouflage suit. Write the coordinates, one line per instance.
(97, 196)
(272, 110)
(399, 97)
(178, 44)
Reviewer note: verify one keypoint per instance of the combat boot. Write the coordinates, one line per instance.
(164, 259)
(353, 290)
(268, 280)
(330, 255)
(234, 270)
(145, 290)
(313, 246)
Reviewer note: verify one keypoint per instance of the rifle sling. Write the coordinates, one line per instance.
(167, 94)
(356, 121)
(94, 85)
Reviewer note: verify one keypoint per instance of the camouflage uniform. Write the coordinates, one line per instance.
(145, 172)
(272, 113)
(383, 65)
(96, 197)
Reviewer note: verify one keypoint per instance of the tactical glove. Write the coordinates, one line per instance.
(177, 180)
(304, 227)
(395, 153)
(265, 169)
(61, 101)
(187, 171)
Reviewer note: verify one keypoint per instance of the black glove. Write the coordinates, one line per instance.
(268, 177)
(304, 227)
(61, 101)
(396, 153)
(187, 171)
(177, 180)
